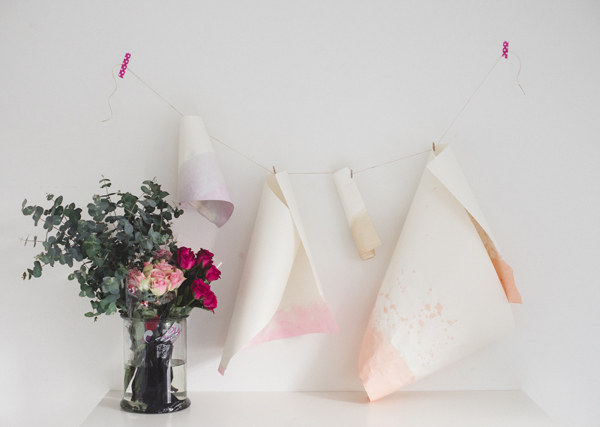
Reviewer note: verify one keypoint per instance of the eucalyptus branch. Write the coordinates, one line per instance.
(105, 253)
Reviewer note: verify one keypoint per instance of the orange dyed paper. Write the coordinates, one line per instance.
(447, 288)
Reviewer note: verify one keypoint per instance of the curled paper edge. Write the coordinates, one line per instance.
(384, 363)
(445, 167)
(279, 284)
(200, 181)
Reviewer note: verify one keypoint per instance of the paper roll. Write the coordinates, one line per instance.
(363, 232)
(446, 291)
(201, 182)
(280, 293)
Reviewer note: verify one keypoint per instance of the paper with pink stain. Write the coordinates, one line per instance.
(201, 183)
(280, 293)
(446, 291)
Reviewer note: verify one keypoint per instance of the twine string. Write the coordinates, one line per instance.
(112, 73)
(324, 173)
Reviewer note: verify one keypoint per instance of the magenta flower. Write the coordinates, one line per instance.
(203, 292)
(204, 258)
(185, 258)
(213, 274)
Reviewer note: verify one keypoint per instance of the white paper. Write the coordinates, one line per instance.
(280, 293)
(363, 232)
(441, 298)
(201, 183)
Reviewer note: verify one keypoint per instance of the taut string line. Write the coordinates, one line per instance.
(321, 173)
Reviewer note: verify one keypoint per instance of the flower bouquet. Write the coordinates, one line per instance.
(128, 262)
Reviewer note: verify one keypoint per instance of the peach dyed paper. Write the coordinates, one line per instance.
(363, 232)
(280, 294)
(446, 291)
(201, 184)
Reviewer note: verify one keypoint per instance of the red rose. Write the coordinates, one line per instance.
(213, 274)
(204, 258)
(203, 292)
(185, 258)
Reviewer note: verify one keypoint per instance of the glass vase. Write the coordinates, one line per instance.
(154, 357)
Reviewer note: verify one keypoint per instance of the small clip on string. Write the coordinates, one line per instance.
(351, 174)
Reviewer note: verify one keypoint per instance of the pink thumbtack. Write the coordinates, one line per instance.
(124, 66)
(505, 50)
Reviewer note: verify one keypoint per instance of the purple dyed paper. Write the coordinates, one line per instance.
(201, 183)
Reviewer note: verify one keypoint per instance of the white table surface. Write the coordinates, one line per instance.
(344, 409)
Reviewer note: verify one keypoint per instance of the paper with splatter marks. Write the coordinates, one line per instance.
(280, 293)
(201, 184)
(363, 232)
(446, 291)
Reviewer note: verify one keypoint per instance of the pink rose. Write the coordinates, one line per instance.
(176, 278)
(159, 287)
(163, 254)
(212, 274)
(164, 267)
(204, 258)
(203, 292)
(185, 258)
(134, 277)
(157, 274)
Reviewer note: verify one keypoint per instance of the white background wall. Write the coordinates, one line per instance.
(306, 86)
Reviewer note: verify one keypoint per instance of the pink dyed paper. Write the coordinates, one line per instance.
(280, 293)
(447, 288)
(201, 183)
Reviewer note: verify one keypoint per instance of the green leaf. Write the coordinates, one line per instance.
(49, 196)
(89, 314)
(37, 214)
(71, 276)
(37, 269)
(128, 228)
(111, 298)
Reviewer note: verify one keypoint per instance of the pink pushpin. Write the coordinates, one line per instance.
(505, 50)
(124, 66)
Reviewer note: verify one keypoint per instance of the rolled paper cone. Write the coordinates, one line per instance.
(363, 232)
(280, 293)
(201, 184)
(446, 291)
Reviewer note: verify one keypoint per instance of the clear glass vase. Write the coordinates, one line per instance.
(154, 357)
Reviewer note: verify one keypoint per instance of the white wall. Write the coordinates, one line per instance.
(306, 86)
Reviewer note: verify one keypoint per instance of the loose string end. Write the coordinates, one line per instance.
(112, 73)
(519, 73)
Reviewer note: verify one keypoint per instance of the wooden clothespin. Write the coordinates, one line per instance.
(274, 171)
(351, 174)
(433, 143)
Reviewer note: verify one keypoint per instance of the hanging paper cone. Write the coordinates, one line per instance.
(363, 232)
(201, 183)
(280, 293)
(446, 292)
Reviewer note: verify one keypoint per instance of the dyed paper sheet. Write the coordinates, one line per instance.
(363, 232)
(201, 183)
(280, 294)
(447, 289)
